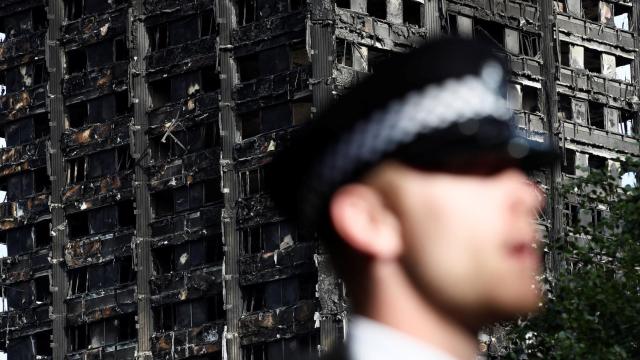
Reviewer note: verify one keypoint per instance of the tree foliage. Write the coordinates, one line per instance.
(592, 300)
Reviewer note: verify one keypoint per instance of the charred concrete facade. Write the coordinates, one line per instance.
(138, 135)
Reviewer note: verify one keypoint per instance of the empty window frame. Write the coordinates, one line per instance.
(100, 164)
(266, 119)
(23, 239)
(574, 56)
(489, 31)
(177, 143)
(628, 123)
(266, 62)
(182, 86)
(182, 31)
(103, 219)
(267, 237)
(98, 110)
(377, 9)
(305, 346)
(412, 12)
(35, 346)
(568, 165)
(189, 314)
(616, 15)
(252, 181)
(102, 332)
(188, 255)
(597, 163)
(597, 115)
(101, 276)
(246, 12)
(26, 184)
(184, 198)
(19, 295)
(284, 292)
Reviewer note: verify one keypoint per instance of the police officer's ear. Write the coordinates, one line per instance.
(363, 220)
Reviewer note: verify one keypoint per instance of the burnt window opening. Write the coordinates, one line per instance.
(267, 237)
(571, 215)
(158, 37)
(97, 277)
(98, 165)
(74, 9)
(41, 181)
(77, 281)
(100, 220)
(596, 115)
(572, 55)
(377, 9)
(184, 198)
(75, 170)
(305, 346)
(344, 52)
(267, 119)
(39, 15)
(376, 58)
(77, 114)
(301, 110)
(160, 92)
(210, 79)
(121, 51)
(252, 182)
(597, 163)
(622, 16)
(122, 103)
(207, 23)
(76, 61)
(592, 60)
(616, 15)
(295, 5)
(512, 41)
(412, 11)
(35, 346)
(183, 30)
(564, 107)
(284, 292)
(19, 295)
(188, 314)
(186, 85)
(19, 240)
(530, 99)
(103, 332)
(42, 232)
(628, 124)
(530, 44)
(42, 344)
(489, 32)
(175, 144)
(248, 67)
(345, 4)
(246, 12)
(189, 254)
(23, 239)
(19, 186)
(42, 291)
(40, 73)
(622, 69)
(19, 132)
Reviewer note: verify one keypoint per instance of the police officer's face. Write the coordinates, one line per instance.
(470, 241)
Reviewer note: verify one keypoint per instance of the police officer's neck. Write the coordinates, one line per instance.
(389, 298)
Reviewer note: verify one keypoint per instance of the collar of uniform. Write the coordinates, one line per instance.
(368, 339)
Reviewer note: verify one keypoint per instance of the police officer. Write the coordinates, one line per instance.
(415, 180)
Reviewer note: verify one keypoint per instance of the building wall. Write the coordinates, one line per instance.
(138, 132)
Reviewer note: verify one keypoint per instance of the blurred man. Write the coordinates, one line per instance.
(415, 180)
